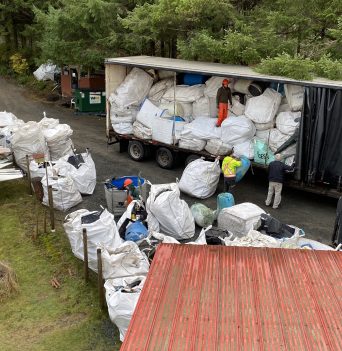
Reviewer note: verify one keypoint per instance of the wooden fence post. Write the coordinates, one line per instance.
(52, 213)
(85, 254)
(100, 279)
(29, 174)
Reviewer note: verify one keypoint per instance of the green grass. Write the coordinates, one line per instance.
(41, 317)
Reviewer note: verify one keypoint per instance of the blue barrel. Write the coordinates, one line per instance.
(224, 200)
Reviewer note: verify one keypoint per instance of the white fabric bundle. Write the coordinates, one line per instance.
(184, 93)
(173, 215)
(201, 128)
(64, 192)
(213, 107)
(7, 119)
(289, 152)
(264, 126)
(148, 113)
(48, 123)
(27, 140)
(101, 232)
(46, 71)
(192, 144)
(6, 134)
(141, 131)
(236, 130)
(240, 219)
(237, 108)
(217, 147)
(295, 96)
(171, 109)
(245, 149)
(167, 131)
(133, 90)
(262, 108)
(288, 122)
(201, 107)
(263, 134)
(200, 178)
(277, 139)
(158, 89)
(123, 128)
(253, 239)
(242, 85)
(187, 110)
(122, 299)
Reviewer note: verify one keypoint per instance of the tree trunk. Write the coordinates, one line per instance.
(162, 48)
(174, 47)
(15, 34)
(152, 48)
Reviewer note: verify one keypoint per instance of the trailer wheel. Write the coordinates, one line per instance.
(191, 158)
(136, 150)
(165, 158)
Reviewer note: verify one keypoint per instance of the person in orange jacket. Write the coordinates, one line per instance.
(131, 191)
(223, 95)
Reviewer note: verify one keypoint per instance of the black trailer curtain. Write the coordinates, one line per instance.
(319, 151)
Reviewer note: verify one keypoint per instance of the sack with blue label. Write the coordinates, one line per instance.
(262, 153)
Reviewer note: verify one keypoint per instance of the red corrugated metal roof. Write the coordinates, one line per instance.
(234, 298)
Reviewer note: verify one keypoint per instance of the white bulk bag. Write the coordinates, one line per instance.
(7, 119)
(295, 96)
(171, 109)
(47, 123)
(240, 219)
(38, 170)
(164, 74)
(64, 192)
(142, 132)
(125, 260)
(277, 139)
(101, 233)
(122, 300)
(242, 85)
(200, 178)
(187, 110)
(192, 144)
(167, 131)
(245, 149)
(237, 108)
(84, 177)
(288, 122)
(119, 120)
(184, 93)
(217, 147)
(148, 113)
(213, 84)
(201, 107)
(134, 89)
(264, 126)
(201, 128)
(127, 112)
(263, 135)
(172, 213)
(213, 107)
(123, 128)
(27, 140)
(46, 71)
(289, 151)
(158, 89)
(262, 108)
(236, 130)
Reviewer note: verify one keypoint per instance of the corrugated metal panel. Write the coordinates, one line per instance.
(233, 298)
(216, 69)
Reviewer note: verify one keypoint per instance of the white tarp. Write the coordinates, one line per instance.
(201, 128)
(173, 214)
(27, 140)
(64, 192)
(240, 219)
(288, 122)
(245, 148)
(158, 89)
(148, 113)
(134, 89)
(277, 139)
(100, 233)
(167, 130)
(192, 144)
(184, 93)
(125, 260)
(262, 108)
(46, 71)
(201, 107)
(200, 178)
(295, 96)
(236, 130)
(122, 299)
(142, 132)
(217, 147)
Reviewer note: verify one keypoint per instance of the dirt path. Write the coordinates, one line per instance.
(313, 213)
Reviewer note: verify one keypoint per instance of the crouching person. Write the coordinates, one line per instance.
(229, 165)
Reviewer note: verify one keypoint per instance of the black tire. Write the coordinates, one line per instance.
(190, 158)
(136, 150)
(165, 158)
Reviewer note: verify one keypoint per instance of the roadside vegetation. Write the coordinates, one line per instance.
(53, 309)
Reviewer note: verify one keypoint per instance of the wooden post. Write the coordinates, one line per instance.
(100, 279)
(52, 213)
(29, 174)
(45, 231)
(85, 254)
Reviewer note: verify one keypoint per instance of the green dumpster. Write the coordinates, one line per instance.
(87, 100)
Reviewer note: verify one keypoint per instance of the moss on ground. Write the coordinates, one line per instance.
(41, 317)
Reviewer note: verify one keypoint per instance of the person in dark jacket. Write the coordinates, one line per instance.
(222, 97)
(276, 173)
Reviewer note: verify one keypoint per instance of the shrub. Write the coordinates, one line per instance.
(19, 64)
(328, 68)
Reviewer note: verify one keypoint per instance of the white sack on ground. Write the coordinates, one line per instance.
(125, 260)
(263, 134)
(64, 192)
(200, 178)
(288, 122)
(39, 171)
(262, 108)
(201, 107)
(158, 89)
(167, 130)
(7, 119)
(213, 84)
(185, 93)
(217, 147)
(122, 299)
(123, 128)
(245, 149)
(240, 219)
(142, 132)
(295, 96)
(27, 140)
(148, 113)
(237, 108)
(201, 128)
(46, 71)
(264, 126)
(236, 130)
(277, 139)
(134, 89)
(100, 233)
(6, 134)
(84, 177)
(192, 144)
(172, 213)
